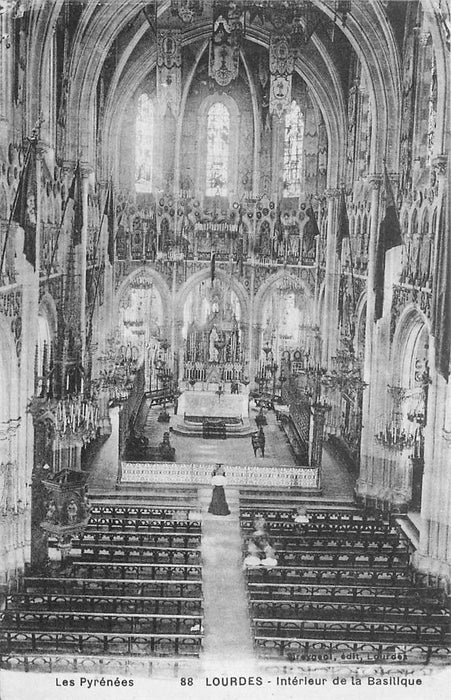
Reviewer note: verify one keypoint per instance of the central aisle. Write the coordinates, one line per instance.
(228, 642)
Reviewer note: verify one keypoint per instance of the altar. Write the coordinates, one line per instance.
(212, 403)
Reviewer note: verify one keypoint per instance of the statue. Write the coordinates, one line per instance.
(213, 352)
(72, 512)
(166, 451)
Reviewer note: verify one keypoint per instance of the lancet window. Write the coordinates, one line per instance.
(293, 150)
(218, 145)
(144, 144)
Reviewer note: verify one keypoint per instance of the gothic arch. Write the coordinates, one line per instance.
(410, 325)
(317, 70)
(360, 326)
(272, 283)
(198, 277)
(47, 309)
(153, 277)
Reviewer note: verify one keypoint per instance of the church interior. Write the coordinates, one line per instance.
(225, 331)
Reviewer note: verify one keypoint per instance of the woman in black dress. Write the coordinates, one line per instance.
(218, 505)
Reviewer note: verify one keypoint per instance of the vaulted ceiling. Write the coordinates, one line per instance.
(115, 41)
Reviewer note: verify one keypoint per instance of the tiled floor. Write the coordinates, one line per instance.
(337, 482)
(230, 451)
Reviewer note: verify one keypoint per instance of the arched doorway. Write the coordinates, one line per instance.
(410, 397)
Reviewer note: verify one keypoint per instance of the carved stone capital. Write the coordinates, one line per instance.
(332, 193)
(86, 169)
(9, 428)
(42, 147)
(423, 38)
(440, 163)
(394, 178)
(68, 166)
(375, 180)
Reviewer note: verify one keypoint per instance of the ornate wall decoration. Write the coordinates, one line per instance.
(62, 504)
(228, 32)
(359, 287)
(294, 280)
(11, 307)
(169, 69)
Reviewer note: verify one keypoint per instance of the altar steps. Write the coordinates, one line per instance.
(195, 429)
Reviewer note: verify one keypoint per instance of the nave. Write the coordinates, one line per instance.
(224, 264)
(143, 586)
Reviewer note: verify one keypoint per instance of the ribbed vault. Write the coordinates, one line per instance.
(123, 28)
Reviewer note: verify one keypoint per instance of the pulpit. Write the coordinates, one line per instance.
(60, 508)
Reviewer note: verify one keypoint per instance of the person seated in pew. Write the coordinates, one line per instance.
(301, 516)
(252, 559)
(260, 524)
(194, 515)
(270, 560)
(197, 628)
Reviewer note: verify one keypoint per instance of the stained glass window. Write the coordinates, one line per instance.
(218, 140)
(293, 147)
(144, 144)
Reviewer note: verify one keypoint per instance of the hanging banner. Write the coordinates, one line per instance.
(282, 58)
(280, 94)
(186, 10)
(169, 69)
(228, 31)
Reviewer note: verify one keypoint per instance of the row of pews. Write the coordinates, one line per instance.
(131, 587)
(342, 589)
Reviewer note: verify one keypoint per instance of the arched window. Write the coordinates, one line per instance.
(144, 144)
(218, 142)
(292, 152)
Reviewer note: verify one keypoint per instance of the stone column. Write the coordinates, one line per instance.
(173, 321)
(370, 401)
(85, 172)
(434, 549)
(319, 411)
(252, 327)
(179, 346)
(6, 56)
(277, 140)
(331, 285)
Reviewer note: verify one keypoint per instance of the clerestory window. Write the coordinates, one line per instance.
(218, 145)
(144, 144)
(293, 151)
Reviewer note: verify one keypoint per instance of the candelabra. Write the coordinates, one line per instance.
(165, 378)
(118, 368)
(346, 374)
(266, 376)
